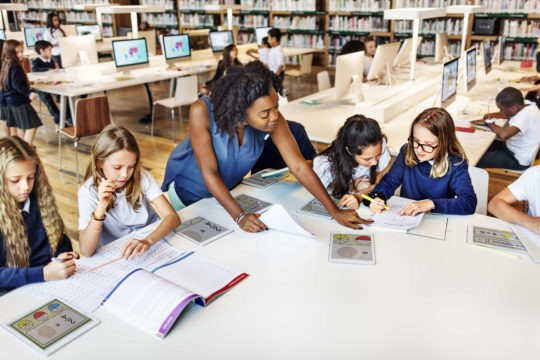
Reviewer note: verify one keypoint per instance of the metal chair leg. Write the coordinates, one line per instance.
(173, 124)
(152, 125)
(76, 144)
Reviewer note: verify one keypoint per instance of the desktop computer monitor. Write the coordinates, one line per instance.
(261, 32)
(198, 39)
(449, 82)
(90, 30)
(78, 50)
(130, 54)
(403, 57)
(176, 48)
(487, 55)
(347, 66)
(2, 34)
(470, 58)
(383, 60)
(31, 35)
(441, 47)
(219, 40)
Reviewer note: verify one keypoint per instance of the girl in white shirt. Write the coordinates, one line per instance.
(119, 197)
(353, 163)
(53, 34)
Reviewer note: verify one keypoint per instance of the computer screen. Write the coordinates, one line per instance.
(261, 32)
(219, 40)
(384, 55)
(31, 35)
(403, 58)
(347, 66)
(2, 34)
(78, 50)
(470, 56)
(441, 47)
(449, 82)
(176, 48)
(90, 29)
(130, 54)
(487, 55)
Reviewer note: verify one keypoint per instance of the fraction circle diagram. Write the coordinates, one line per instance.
(55, 307)
(25, 325)
(41, 316)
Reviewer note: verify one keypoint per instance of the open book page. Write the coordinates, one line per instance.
(277, 218)
(201, 275)
(92, 281)
(391, 220)
(530, 240)
(432, 226)
(148, 302)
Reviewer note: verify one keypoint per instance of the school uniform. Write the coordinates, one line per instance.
(264, 55)
(53, 36)
(122, 219)
(19, 112)
(527, 188)
(40, 64)
(323, 167)
(40, 250)
(234, 161)
(276, 58)
(452, 193)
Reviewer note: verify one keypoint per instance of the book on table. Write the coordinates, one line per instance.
(201, 230)
(261, 181)
(351, 248)
(495, 238)
(315, 208)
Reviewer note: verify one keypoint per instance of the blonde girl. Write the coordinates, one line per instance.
(118, 196)
(31, 231)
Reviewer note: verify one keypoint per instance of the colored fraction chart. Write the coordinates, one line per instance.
(351, 248)
(51, 326)
(201, 231)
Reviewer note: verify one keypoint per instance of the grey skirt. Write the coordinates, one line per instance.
(22, 117)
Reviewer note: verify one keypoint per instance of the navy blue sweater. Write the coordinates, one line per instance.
(452, 194)
(16, 90)
(38, 65)
(40, 253)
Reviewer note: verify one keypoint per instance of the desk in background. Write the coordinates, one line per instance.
(424, 299)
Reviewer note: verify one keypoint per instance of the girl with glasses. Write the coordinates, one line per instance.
(353, 163)
(431, 168)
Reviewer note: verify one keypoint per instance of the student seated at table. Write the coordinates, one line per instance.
(371, 47)
(262, 52)
(119, 196)
(44, 62)
(525, 188)
(230, 58)
(354, 162)
(31, 231)
(518, 142)
(271, 158)
(431, 169)
(226, 137)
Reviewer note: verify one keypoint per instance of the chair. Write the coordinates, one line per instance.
(185, 94)
(305, 68)
(92, 116)
(480, 183)
(323, 80)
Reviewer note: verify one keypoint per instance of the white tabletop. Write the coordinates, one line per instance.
(424, 299)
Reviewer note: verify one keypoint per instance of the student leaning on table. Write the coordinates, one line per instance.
(31, 231)
(431, 169)
(119, 196)
(227, 132)
(352, 165)
(526, 188)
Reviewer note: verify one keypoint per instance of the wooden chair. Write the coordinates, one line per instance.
(305, 68)
(186, 93)
(323, 80)
(480, 183)
(92, 116)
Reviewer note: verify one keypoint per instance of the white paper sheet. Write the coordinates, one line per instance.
(277, 218)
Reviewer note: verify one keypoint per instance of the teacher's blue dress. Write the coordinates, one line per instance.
(234, 161)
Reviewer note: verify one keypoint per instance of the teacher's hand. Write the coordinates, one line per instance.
(251, 223)
(351, 219)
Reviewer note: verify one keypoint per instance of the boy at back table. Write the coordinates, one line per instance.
(44, 62)
(517, 142)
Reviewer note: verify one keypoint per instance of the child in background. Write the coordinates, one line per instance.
(119, 197)
(371, 46)
(44, 62)
(354, 162)
(230, 58)
(263, 51)
(526, 188)
(32, 231)
(53, 33)
(21, 117)
(276, 56)
(431, 168)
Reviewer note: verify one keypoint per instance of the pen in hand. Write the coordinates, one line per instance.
(368, 198)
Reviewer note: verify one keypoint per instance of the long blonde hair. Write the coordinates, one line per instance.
(12, 228)
(439, 122)
(112, 139)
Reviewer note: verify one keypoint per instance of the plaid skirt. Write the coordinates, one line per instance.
(22, 116)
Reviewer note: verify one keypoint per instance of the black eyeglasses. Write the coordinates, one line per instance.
(425, 147)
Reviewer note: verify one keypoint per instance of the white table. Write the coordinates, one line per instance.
(424, 299)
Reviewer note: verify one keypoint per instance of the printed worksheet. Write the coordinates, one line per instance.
(391, 220)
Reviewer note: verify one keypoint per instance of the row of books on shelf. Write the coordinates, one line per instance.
(520, 51)
(510, 6)
(360, 5)
(60, 4)
(250, 20)
(169, 4)
(294, 5)
(432, 26)
(429, 3)
(197, 4)
(161, 19)
(358, 23)
(303, 41)
(197, 20)
(521, 28)
(296, 22)
(256, 4)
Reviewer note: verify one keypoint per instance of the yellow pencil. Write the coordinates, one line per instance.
(376, 202)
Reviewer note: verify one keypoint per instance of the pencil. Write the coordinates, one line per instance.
(376, 202)
(105, 264)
